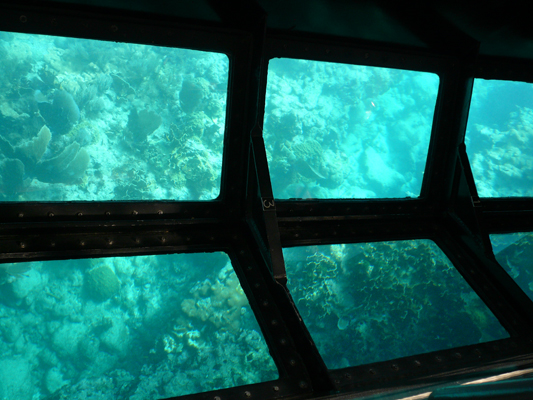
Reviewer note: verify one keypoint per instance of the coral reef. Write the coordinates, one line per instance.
(355, 298)
(115, 113)
(177, 324)
(101, 283)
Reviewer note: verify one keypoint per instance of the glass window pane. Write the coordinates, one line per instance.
(93, 120)
(145, 327)
(347, 131)
(499, 138)
(355, 298)
(514, 252)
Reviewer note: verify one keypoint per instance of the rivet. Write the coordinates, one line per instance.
(160, 212)
(265, 303)
(372, 371)
(23, 19)
(257, 285)
(241, 252)
(114, 28)
(50, 214)
(80, 214)
(22, 245)
(418, 363)
(347, 376)
(21, 215)
(163, 239)
(457, 355)
(217, 398)
(137, 240)
(395, 367)
(303, 384)
(283, 341)
(296, 235)
(274, 322)
(109, 242)
(275, 388)
(292, 362)
(82, 243)
(249, 268)
(107, 213)
(438, 358)
(247, 394)
(134, 212)
(52, 244)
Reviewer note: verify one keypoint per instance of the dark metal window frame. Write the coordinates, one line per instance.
(251, 226)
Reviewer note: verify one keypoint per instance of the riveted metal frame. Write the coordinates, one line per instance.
(252, 232)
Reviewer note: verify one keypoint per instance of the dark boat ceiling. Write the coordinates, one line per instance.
(501, 28)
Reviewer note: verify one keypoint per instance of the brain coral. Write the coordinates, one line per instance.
(101, 283)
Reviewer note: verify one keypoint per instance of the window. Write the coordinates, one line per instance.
(356, 298)
(144, 327)
(347, 131)
(499, 138)
(514, 252)
(92, 120)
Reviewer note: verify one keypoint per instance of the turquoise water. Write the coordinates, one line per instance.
(499, 138)
(347, 131)
(138, 328)
(514, 252)
(373, 302)
(91, 120)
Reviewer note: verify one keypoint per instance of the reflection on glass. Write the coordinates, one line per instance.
(499, 138)
(347, 131)
(92, 120)
(514, 252)
(139, 328)
(371, 302)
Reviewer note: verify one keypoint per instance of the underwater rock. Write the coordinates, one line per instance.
(117, 338)
(143, 123)
(67, 167)
(67, 338)
(61, 113)
(15, 378)
(101, 283)
(54, 380)
(26, 284)
(192, 93)
(11, 175)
